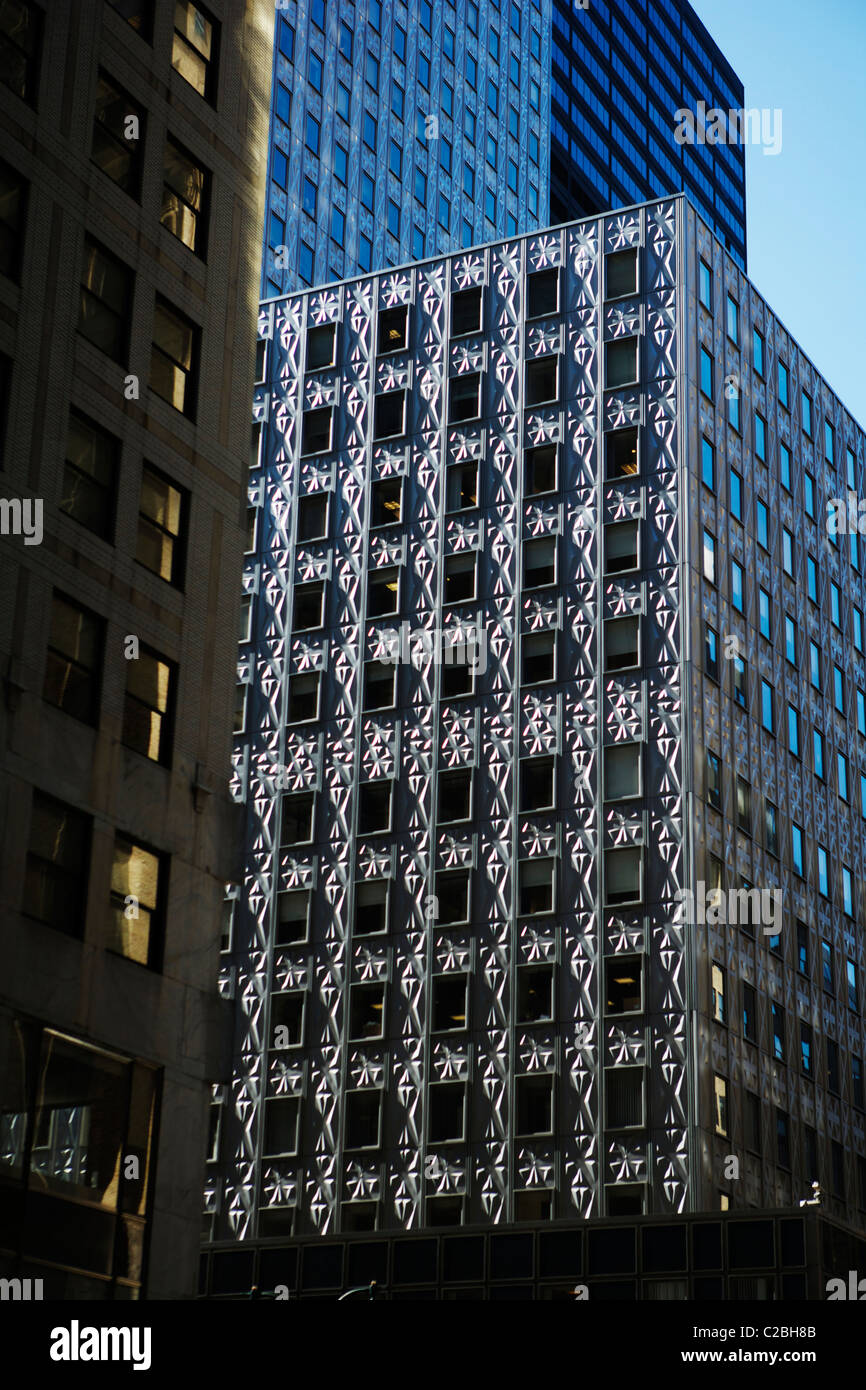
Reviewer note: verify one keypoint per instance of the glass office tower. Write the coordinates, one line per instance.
(402, 131)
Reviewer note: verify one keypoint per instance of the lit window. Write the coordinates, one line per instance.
(194, 46)
(173, 357)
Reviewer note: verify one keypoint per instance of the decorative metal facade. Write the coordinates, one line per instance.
(630, 1091)
(581, 1162)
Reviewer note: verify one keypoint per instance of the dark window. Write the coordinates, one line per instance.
(534, 993)
(118, 135)
(138, 881)
(449, 1004)
(371, 907)
(292, 917)
(386, 497)
(303, 697)
(162, 510)
(374, 807)
(621, 457)
(58, 855)
(624, 1097)
(464, 397)
(620, 362)
(535, 886)
(465, 312)
(149, 705)
(542, 293)
(366, 1011)
(194, 47)
(536, 784)
(174, 357)
(313, 516)
(534, 1096)
(621, 643)
(447, 1111)
(624, 985)
(89, 475)
(621, 273)
(185, 195)
(621, 547)
(287, 1016)
(383, 591)
(540, 470)
(711, 652)
(13, 199)
(363, 1112)
(538, 657)
(106, 298)
(297, 819)
(461, 487)
(541, 380)
(459, 577)
(317, 430)
(393, 329)
(452, 897)
(282, 1115)
(73, 665)
(455, 795)
(20, 34)
(321, 345)
(379, 685)
(539, 562)
(388, 414)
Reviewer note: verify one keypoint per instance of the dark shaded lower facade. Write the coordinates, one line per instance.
(779, 1255)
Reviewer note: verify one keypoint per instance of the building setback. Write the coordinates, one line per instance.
(130, 195)
(476, 979)
(398, 135)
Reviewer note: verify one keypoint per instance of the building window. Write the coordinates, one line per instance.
(767, 706)
(461, 486)
(542, 293)
(13, 198)
(317, 428)
(185, 191)
(621, 643)
(708, 468)
(762, 524)
(386, 497)
(711, 652)
(802, 948)
(20, 36)
(534, 1104)
(720, 1094)
(542, 376)
(622, 872)
(452, 897)
(73, 666)
(298, 813)
(118, 135)
(706, 374)
(464, 397)
(460, 578)
(536, 879)
(805, 1049)
(89, 475)
(174, 357)
(764, 614)
(621, 454)
(622, 771)
(393, 218)
(383, 591)
(393, 332)
(620, 268)
(621, 546)
(714, 781)
(138, 877)
(58, 863)
(733, 319)
(741, 682)
(851, 978)
(705, 285)
(106, 298)
(750, 1014)
(282, 1120)
(161, 526)
(818, 753)
(538, 657)
(760, 437)
(777, 1018)
(620, 362)
(625, 1098)
(757, 352)
(194, 47)
(744, 806)
(374, 807)
(737, 586)
(797, 848)
(536, 784)
(371, 907)
(709, 556)
(303, 706)
(466, 308)
(148, 705)
(380, 680)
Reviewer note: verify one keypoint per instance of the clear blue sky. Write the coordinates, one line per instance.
(806, 207)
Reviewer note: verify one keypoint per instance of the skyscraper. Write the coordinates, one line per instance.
(402, 132)
(553, 718)
(131, 178)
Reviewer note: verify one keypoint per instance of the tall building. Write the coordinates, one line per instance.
(132, 181)
(551, 725)
(622, 71)
(402, 132)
